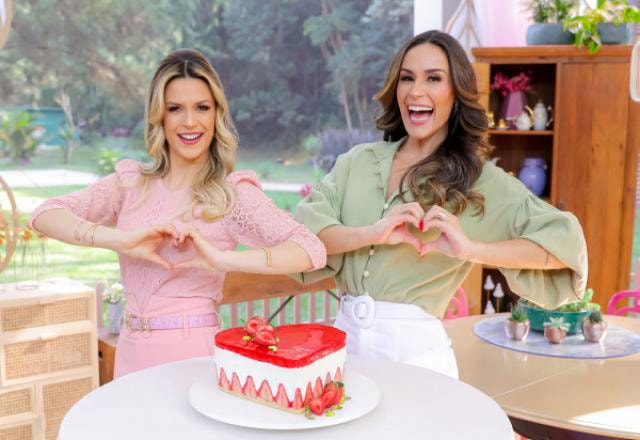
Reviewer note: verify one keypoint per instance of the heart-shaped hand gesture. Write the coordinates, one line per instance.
(392, 228)
(452, 241)
(143, 243)
(208, 256)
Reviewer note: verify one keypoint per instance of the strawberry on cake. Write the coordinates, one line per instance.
(297, 367)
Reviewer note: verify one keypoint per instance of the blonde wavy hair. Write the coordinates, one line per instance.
(211, 194)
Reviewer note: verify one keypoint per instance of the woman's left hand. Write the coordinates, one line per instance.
(208, 256)
(452, 241)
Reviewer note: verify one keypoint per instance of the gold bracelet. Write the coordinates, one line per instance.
(93, 234)
(91, 230)
(267, 251)
(76, 233)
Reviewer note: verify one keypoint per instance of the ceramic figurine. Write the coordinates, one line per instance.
(492, 122)
(523, 121)
(541, 119)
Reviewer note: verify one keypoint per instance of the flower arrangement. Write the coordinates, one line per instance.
(114, 294)
(519, 83)
(305, 190)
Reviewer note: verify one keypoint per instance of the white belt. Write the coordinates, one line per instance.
(363, 312)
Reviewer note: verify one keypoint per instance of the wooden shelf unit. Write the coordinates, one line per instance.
(497, 132)
(591, 149)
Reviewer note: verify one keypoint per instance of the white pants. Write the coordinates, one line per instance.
(395, 331)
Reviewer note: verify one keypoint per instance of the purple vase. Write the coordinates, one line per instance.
(512, 106)
(533, 174)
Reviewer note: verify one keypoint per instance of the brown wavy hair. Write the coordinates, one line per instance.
(447, 175)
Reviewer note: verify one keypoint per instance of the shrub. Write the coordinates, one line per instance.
(334, 142)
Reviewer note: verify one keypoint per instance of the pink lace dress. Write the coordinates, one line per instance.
(151, 290)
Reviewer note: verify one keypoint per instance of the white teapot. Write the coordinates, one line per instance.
(523, 121)
(541, 118)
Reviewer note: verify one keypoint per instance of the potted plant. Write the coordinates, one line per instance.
(610, 22)
(513, 91)
(548, 17)
(572, 313)
(555, 330)
(594, 328)
(517, 325)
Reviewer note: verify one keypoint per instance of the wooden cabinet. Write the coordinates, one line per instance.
(48, 356)
(591, 149)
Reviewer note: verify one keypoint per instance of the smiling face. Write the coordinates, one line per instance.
(425, 93)
(189, 120)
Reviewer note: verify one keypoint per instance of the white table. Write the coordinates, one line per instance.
(415, 403)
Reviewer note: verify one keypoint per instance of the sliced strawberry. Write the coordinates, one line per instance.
(223, 381)
(297, 400)
(308, 395)
(281, 398)
(266, 328)
(265, 338)
(339, 394)
(338, 376)
(235, 384)
(328, 398)
(316, 406)
(330, 386)
(265, 392)
(318, 389)
(253, 324)
(249, 388)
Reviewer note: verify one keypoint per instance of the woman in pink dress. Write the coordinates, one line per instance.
(151, 214)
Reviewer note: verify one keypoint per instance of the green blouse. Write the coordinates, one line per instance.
(353, 194)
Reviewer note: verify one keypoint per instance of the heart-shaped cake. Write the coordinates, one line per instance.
(287, 367)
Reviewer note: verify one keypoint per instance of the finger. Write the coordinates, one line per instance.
(437, 223)
(412, 240)
(170, 229)
(406, 218)
(187, 264)
(437, 212)
(429, 247)
(410, 210)
(416, 209)
(157, 259)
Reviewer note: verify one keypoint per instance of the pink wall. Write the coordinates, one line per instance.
(502, 22)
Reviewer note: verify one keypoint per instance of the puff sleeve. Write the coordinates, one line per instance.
(99, 202)
(254, 220)
(560, 234)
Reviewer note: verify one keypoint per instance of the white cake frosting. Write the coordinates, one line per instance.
(290, 378)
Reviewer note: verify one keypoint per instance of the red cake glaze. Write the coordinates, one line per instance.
(299, 345)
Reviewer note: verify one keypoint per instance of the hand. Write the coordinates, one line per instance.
(208, 256)
(143, 243)
(392, 228)
(452, 241)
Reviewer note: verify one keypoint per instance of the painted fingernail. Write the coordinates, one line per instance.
(421, 225)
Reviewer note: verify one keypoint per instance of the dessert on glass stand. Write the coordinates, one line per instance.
(297, 368)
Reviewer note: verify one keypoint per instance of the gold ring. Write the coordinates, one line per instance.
(442, 215)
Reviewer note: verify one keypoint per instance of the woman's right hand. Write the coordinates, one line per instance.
(392, 228)
(143, 243)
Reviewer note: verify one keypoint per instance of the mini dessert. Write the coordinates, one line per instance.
(297, 367)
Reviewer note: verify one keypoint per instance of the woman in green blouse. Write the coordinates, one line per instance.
(405, 219)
